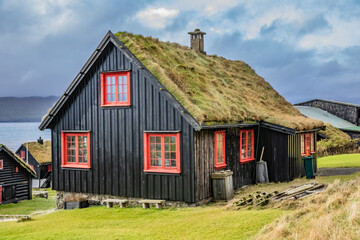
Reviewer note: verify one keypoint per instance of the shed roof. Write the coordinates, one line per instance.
(18, 159)
(322, 115)
(331, 101)
(212, 89)
(41, 152)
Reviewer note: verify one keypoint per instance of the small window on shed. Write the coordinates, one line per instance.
(307, 144)
(162, 152)
(246, 145)
(115, 89)
(1, 164)
(220, 149)
(22, 154)
(16, 169)
(312, 142)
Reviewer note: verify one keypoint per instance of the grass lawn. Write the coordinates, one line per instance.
(343, 160)
(27, 207)
(211, 222)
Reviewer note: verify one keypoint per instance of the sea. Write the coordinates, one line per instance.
(13, 134)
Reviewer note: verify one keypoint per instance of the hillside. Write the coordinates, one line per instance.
(25, 109)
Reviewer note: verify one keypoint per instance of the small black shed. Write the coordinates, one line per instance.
(15, 177)
(151, 119)
(38, 155)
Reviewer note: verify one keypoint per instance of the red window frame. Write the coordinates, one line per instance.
(118, 85)
(219, 142)
(147, 152)
(49, 168)
(251, 157)
(1, 164)
(307, 144)
(0, 194)
(22, 154)
(16, 169)
(64, 153)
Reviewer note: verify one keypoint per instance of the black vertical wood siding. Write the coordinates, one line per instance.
(15, 185)
(275, 154)
(204, 158)
(117, 151)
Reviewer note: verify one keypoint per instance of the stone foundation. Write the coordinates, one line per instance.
(97, 199)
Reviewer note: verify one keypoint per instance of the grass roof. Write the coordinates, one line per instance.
(41, 152)
(214, 90)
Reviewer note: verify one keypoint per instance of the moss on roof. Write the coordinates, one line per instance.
(214, 89)
(41, 152)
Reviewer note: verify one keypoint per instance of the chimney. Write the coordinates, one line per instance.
(40, 140)
(197, 40)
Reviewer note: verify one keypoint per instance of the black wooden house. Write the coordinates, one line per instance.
(15, 177)
(38, 155)
(149, 119)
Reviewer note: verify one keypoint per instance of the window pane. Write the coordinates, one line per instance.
(173, 163)
(158, 155)
(173, 155)
(124, 98)
(173, 139)
(167, 147)
(158, 139)
(152, 139)
(108, 89)
(120, 88)
(124, 88)
(159, 164)
(107, 80)
(173, 147)
(167, 155)
(152, 147)
(166, 139)
(119, 80)
(152, 162)
(124, 79)
(85, 160)
(158, 147)
(167, 163)
(112, 80)
(152, 154)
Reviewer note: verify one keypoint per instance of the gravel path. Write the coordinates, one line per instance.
(337, 171)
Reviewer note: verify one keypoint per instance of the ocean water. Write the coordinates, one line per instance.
(14, 134)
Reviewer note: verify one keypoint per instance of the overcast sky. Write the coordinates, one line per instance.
(304, 49)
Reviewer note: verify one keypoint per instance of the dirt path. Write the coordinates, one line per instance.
(337, 171)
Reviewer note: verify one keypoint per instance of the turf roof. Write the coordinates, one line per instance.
(41, 152)
(214, 90)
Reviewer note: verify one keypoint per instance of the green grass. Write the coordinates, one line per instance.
(27, 207)
(211, 222)
(343, 160)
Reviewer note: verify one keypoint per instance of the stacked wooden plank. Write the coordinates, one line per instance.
(299, 192)
(262, 198)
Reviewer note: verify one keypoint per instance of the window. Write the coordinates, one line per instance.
(246, 145)
(307, 144)
(22, 154)
(220, 149)
(115, 89)
(1, 164)
(16, 169)
(49, 168)
(162, 152)
(75, 150)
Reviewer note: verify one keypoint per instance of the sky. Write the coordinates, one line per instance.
(304, 49)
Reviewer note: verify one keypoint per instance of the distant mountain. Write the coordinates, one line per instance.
(25, 109)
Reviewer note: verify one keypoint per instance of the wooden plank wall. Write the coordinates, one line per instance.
(204, 161)
(15, 185)
(297, 168)
(275, 154)
(117, 137)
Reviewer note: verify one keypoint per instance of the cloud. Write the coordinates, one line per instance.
(156, 17)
